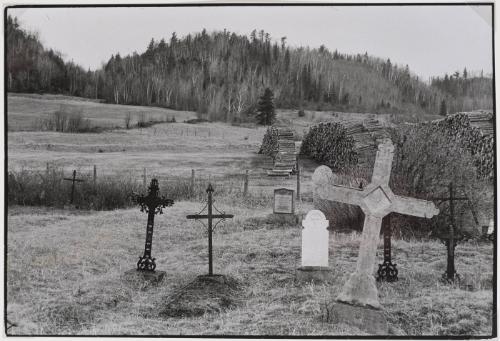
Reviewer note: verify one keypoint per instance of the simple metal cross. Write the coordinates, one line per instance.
(451, 239)
(152, 204)
(387, 271)
(376, 200)
(210, 216)
(73, 180)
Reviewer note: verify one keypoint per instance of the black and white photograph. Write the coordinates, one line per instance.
(249, 170)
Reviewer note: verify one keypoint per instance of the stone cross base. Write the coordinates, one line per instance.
(360, 290)
(141, 276)
(371, 321)
(318, 274)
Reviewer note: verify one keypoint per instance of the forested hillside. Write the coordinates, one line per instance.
(464, 91)
(222, 75)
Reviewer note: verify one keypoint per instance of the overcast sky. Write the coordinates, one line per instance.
(432, 40)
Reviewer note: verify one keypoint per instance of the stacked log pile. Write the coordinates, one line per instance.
(343, 144)
(482, 120)
(279, 143)
(329, 144)
(473, 131)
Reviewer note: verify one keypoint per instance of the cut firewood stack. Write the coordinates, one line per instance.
(345, 143)
(473, 131)
(482, 120)
(285, 156)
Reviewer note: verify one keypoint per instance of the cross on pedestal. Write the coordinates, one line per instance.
(210, 216)
(73, 180)
(152, 204)
(451, 239)
(387, 271)
(376, 200)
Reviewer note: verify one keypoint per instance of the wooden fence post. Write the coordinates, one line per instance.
(298, 179)
(245, 184)
(95, 174)
(192, 183)
(47, 170)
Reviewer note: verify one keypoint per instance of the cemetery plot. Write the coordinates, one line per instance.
(68, 279)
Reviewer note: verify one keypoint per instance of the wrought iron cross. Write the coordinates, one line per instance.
(73, 180)
(451, 239)
(210, 216)
(152, 204)
(387, 271)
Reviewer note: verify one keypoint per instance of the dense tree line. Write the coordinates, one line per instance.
(464, 92)
(32, 68)
(222, 75)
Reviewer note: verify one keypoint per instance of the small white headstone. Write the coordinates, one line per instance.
(315, 239)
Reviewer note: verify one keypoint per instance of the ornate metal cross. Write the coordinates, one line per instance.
(387, 271)
(210, 216)
(376, 200)
(152, 204)
(73, 180)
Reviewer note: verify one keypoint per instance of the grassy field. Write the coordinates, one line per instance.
(64, 276)
(167, 150)
(64, 266)
(25, 109)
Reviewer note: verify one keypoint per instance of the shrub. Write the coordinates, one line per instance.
(66, 119)
(141, 121)
(35, 188)
(127, 119)
(301, 113)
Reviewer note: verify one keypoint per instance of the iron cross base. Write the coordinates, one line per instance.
(146, 263)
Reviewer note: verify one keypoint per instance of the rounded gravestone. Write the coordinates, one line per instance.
(315, 241)
(322, 175)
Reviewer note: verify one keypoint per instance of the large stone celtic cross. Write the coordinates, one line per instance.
(376, 200)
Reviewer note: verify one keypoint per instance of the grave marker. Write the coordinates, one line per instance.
(376, 200)
(452, 238)
(315, 240)
(73, 180)
(152, 204)
(283, 201)
(210, 216)
(387, 271)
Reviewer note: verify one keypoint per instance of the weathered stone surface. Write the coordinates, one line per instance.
(369, 320)
(153, 278)
(316, 274)
(376, 200)
(315, 239)
(360, 289)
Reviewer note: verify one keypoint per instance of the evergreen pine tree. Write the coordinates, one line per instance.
(442, 108)
(265, 111)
